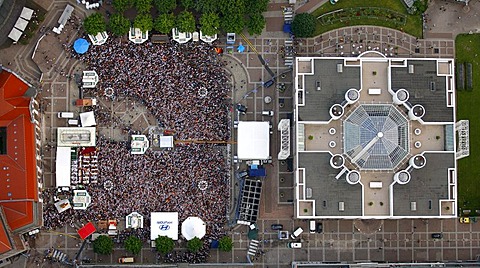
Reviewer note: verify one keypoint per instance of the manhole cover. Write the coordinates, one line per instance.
(202, 92)
(203, 185)
(108, 185)
(109, 92)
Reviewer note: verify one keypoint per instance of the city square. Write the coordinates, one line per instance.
(169, 134)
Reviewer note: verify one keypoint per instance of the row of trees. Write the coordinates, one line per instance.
(229, 15)
(104, 244)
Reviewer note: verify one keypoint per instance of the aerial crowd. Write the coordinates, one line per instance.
(185, 88)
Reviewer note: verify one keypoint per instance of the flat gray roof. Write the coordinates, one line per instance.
(427, 183)
(419, 85)
(320, 177)
(333, 84)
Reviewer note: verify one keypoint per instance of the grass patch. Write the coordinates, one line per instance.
(412, 26)
(467, 47)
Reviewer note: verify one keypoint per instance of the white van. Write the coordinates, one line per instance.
(73, 122)
(296, 233)
(126, 260)
(312, 226)
(65, 115)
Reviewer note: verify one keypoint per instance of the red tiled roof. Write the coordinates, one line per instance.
(18, 179)
(5, 244)
(86, 230)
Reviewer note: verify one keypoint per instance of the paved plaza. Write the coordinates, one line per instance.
(342, 240)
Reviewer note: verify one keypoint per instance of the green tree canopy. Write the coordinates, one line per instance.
(256, 6)
(233, 20)
(133, 244)
(94, 24)
(122, 5)
(187, 4)
(303, 25)
(143, 6)
(103, 245)
(225, 244)
(207, 6)
(421, 6)
(210, 22)
(118, 24)
(195, 244)
(164, 23)
(144, 22)
(165, 6)
(164, 244)
(255, 24)
(185, 22)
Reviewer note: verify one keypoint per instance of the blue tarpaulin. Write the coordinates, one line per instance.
(241, 48)
(287, 28)
(259, 172)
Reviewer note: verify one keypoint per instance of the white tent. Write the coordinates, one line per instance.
(253, 141)
(164, 224)
(87, 119)
(166, 141)
(15, 34)
(193, 227)
(63, 166)
(26, 13)
(21, 24)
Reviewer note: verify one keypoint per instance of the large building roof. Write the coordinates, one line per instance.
(18, 167)
(375, 137)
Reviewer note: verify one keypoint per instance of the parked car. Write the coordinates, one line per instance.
(320, 227)
(268, 84)
(312, 226)
(242, 108)
(277, 226)
(465, 220)
(294, 245)
(296, 233)
(437, 235)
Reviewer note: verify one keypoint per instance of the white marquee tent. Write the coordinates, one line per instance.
(63, 166)
(21, 24)
(15, 34)
(253, 140)
(193, 227)
(88, 119)
(26, 13)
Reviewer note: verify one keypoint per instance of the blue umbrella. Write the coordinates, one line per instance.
(81, 45)
(241, 48)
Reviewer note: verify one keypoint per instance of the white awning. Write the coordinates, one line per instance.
(253, 140)
(26, 13)
(21, 24)
(164, 224)
(88, 119)
(15, 34)
(63, 166)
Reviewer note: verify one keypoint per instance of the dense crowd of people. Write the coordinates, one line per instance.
(185, 88)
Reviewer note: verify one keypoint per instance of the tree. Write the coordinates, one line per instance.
(94, 24)
(207, 6)
(144, 22)
(185, 22)
(256, 6)
(164, 23)
(122, 5)
(421, 6)
(303, 25)
(194, 245)
(133, 244)
(164, 244)
(225, 244)
(143, 6)
(165, 6)
(233, 20)
(255, 24)
(103, 245)
(210, 22)
(187, 4)
(119, 25)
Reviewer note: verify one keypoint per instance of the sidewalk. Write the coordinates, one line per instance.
(310, 6)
